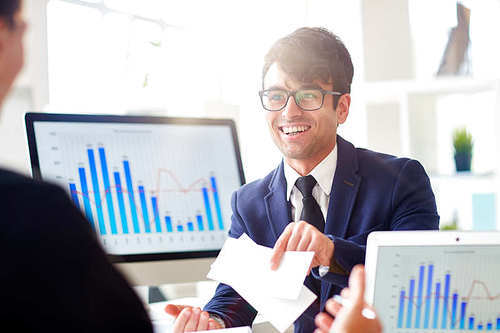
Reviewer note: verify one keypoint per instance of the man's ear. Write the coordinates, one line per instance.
(343, 108)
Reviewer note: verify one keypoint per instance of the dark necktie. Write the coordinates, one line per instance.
(311, 212)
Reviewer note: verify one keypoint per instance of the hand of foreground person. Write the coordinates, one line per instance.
(191, 319)
(349, 317)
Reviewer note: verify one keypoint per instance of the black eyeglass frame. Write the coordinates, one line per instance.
(293, 93)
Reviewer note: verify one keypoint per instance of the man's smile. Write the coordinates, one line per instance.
(292, 130)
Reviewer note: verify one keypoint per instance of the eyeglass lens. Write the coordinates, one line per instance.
(310, 99)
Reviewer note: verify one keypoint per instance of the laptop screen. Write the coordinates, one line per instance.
(441, 287)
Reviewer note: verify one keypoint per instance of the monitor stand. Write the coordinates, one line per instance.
(155, 295)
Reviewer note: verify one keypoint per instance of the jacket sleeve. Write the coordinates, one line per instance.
(58, 271)
(227, 303)
(413, 207)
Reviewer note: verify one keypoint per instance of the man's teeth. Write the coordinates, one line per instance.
(294, 129)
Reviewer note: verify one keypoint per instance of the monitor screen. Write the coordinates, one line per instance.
(151, 187)
(437, 288)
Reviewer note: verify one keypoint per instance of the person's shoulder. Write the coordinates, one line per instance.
(377, 162)
(364, 154)
(10, 178)
(38, 207)
(366, 158)
(19, 189)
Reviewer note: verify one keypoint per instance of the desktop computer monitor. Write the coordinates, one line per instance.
(156, 190)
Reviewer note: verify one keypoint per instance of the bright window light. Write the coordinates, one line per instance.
(181, 59)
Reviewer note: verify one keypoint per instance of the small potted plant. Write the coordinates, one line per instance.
(462, 142)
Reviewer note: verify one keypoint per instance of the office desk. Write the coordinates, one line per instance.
(196, 294)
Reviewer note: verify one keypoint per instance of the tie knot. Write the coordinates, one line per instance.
(305, 185)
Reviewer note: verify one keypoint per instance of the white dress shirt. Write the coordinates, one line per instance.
(323, 173)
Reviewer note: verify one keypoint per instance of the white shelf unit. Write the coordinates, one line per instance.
(407, 111)
(409, 118)
(401, 110)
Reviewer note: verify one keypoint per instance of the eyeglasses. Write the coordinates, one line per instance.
(306, 99)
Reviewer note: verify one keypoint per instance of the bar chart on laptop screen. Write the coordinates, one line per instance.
(145, 188)
(440, 289)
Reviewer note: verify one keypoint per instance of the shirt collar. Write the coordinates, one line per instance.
(323, 173)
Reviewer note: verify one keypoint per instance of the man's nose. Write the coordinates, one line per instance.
(291, 109)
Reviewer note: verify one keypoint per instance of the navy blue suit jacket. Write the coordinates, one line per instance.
(370, 191)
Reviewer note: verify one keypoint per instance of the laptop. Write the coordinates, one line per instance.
(434, 281)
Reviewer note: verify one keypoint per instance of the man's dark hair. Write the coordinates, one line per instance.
(309, 54)
(8, 9)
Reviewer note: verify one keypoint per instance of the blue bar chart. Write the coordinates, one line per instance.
(143, 216)
(168, 223)
(437, 288)
(97, 195)
(121, 203)
(85, 195)
(143, 189)
(131, 196)
(451, 308)
(427, 296)
(144, 207)
(107, 185)
(154, 203)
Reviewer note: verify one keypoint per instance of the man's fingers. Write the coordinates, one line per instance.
(345, 293)
(296, 236)
(357, 284)
(323, 321)
(333, 307)
(192, 323)
(280, 246)
(312, 248)
(203, 323)
(304, 242)
(174, 310)
(182, 319)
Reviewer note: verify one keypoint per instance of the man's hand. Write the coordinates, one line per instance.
(349, 318)
(190, 319)
(302, 236)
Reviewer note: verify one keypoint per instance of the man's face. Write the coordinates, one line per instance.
(12, 51)
(305, 136)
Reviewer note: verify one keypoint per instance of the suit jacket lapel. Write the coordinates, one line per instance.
(344, 189)
(277, 206)
(342, 196)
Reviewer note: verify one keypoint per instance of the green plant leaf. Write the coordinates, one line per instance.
(462, 140)
(155, 43)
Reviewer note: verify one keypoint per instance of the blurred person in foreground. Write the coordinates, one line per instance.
(54, 274)
(349, 317)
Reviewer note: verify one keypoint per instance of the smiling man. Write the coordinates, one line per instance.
(326, 196)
